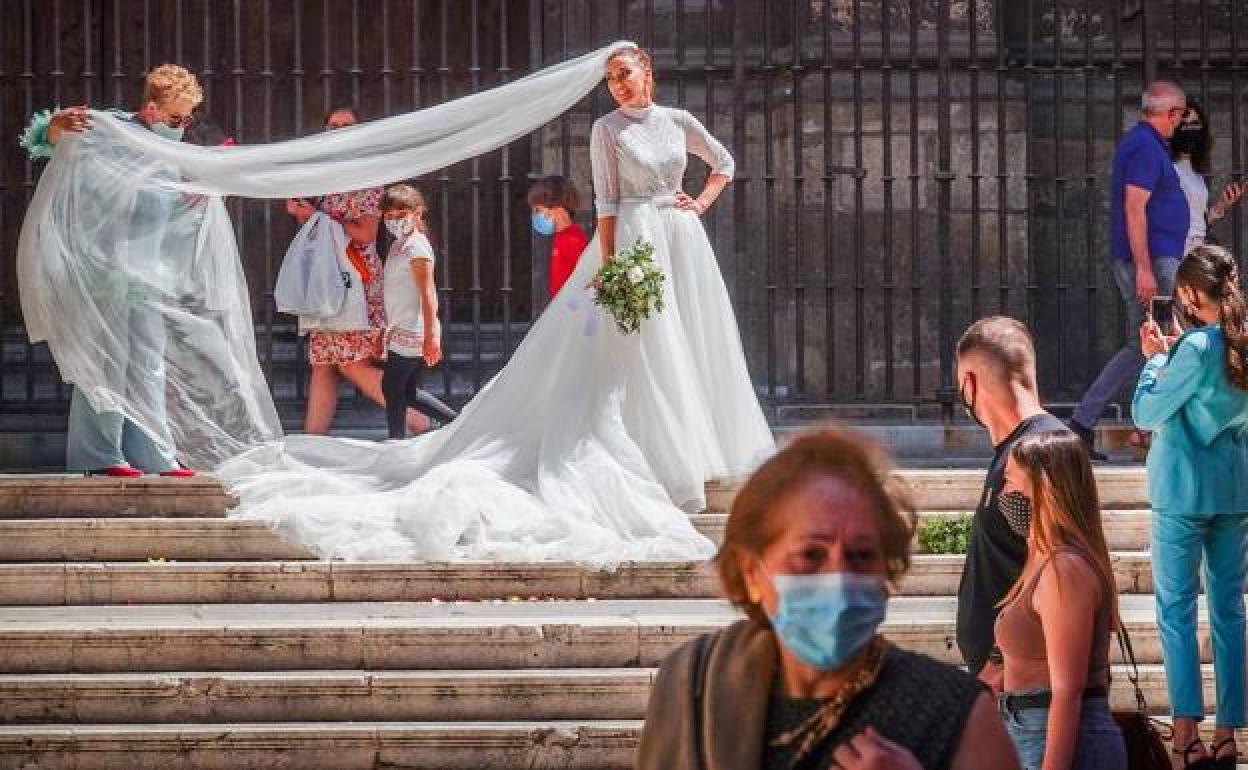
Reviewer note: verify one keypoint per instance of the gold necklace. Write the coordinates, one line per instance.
(818, 725)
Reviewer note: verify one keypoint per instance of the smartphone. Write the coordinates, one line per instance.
(1162, 311)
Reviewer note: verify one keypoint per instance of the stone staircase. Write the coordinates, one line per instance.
(141, 628)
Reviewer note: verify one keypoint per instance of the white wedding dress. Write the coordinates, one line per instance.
(589, 446)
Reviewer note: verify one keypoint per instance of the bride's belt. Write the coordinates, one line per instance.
(658, 201)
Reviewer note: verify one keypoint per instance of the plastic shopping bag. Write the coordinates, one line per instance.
(311, 280)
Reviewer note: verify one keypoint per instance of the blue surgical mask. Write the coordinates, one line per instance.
(167, 131)
(825, 619)
(543, 224)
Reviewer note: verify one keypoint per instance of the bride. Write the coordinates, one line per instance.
(590, 445)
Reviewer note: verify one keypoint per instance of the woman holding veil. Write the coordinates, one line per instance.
(590, 445)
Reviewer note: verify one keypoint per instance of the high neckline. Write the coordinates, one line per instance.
(637, 113)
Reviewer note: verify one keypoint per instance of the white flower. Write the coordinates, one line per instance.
(636, 274)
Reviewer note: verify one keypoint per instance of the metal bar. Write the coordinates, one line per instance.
(297, 74)
(886, 183)
(1059, 192)
(118, 74)
(270, 307)
(799, 184)
(1237, 220)
(1091, 261)
(740, 182)
(475, 188)
(537, 154)
(1029, 94)
(1003, 168)
(976, 174)
(238, 72)
(444, 184)
(769, 205)
(944, 182)
(831, 159)
(327, 72)
(356, 71)
(387, 72)
(505, 183)
(88, 55)
(916, 276)
(28, 77)
(860, 277)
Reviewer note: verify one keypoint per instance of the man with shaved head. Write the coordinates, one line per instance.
(997, 380)
(1148, 220)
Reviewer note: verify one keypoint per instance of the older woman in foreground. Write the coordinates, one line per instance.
(815, 541)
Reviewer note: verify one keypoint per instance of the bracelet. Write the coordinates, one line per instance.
(34, 139)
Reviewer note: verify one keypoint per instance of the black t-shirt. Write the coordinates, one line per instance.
(995, 553)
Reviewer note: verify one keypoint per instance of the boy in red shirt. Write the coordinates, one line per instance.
(553, 201)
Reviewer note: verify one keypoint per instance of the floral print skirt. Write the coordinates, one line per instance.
(337, 348)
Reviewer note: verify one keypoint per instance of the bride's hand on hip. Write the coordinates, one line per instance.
(686, 202)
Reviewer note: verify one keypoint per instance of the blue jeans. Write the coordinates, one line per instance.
(1178, 543)
(1124, 368)
(1099, 747)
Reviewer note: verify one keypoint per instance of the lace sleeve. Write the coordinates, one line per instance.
(603, 160)
(701, 143)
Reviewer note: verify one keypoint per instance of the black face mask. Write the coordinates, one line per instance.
(1190, 140)
(1016, 507)
(969, 404)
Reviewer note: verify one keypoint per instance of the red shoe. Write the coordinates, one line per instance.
(178, 473)
(117, 472)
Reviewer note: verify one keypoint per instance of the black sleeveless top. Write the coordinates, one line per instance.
(916, 702)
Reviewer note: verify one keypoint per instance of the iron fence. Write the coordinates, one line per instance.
(904, 166)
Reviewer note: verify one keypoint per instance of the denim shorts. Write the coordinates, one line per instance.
(1100, 745)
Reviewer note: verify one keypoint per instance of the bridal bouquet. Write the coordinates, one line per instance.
(630, 286)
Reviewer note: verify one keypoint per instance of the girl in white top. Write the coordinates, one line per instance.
(413, 338)
(1190, 147)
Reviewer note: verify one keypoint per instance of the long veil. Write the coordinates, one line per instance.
(129, 270)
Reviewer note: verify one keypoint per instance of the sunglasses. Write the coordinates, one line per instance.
(178, 121)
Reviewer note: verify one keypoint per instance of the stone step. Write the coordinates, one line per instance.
(379, 696)
(424, 635)
(956, 489)
(529, 745)
(61, 495)
(220, 539)
(526, 745)
(75, 495)
(253, 582)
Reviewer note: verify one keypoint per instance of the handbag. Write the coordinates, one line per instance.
(1146, 748)
(311, 281)
(701, 656)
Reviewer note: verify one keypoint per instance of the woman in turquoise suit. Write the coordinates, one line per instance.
(1194, 395)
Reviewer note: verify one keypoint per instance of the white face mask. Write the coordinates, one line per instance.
(400, 228)
(167, 131)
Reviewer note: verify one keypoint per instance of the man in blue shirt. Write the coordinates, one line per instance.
(1148, 219)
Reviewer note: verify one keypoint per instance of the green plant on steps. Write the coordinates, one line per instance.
(944, 534)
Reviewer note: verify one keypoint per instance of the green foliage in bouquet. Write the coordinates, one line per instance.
(630, 286)
(945, 534)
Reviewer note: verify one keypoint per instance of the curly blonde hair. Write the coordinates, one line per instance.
(170, 81)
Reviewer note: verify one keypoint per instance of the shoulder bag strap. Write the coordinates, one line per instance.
(1133, 669)
(702, 654)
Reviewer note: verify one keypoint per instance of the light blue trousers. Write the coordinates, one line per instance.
(1179, 541)
(96, 440)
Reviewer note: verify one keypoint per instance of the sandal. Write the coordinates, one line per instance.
(1204, 763)
(1229, 761)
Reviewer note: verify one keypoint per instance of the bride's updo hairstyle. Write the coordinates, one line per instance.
(642, 58)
